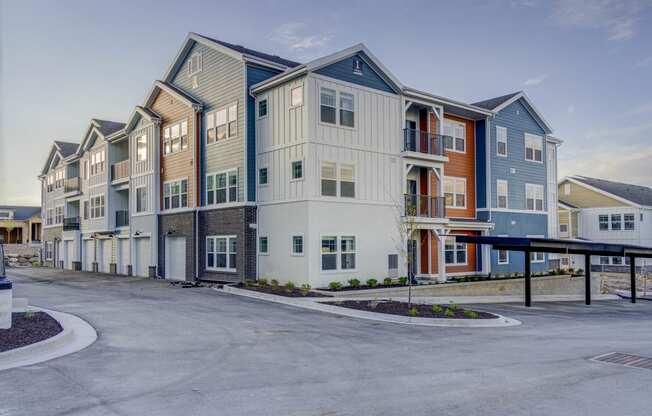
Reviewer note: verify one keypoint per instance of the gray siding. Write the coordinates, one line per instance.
(343, 70)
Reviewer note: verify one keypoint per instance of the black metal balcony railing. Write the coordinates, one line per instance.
(71, 185)
(70, 224)
(120, 170)
(425, 206)
(423, 142)
(121, 218)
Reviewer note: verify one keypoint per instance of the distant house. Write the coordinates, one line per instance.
(602, 210)
(20, 225)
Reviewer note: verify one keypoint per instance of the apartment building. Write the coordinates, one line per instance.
(241, 164)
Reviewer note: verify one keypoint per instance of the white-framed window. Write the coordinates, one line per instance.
(50, 183)
(221, 253)
(175, 137)
(629, 221)
(195, 64)
(262, 176)
(536, 257)
(455, 253)
(503, 255)
(455, 192)
(501, 141)
(49, 216)
(617, 260)
(533, 148)
(533, 197)
(86, 209)
(328, 179)
(262, 108)
(297, 245)
(48, 250)
(222, 187)
(336, 256)
(141, 199)
(141, 148)
(567, 189)
(296, 96)
(347, 110)
(97, 162)
(333, 174)
(616, 222)
(58, 179)
(565, 261)
(327, 106)
(603, 222)
(334, 111)
(502, 193)
(97, 206)
(85, 170)
(222, 124)
(263, 245)
(58, 214)
(296, 169)
(563, 228)
(604, 260)
(454, 136)
(175, 194)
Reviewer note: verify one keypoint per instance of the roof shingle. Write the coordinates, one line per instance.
(258, 54)
(108, 127)
(492, 103)
(66, 148)
(21, 213)
(637, 194)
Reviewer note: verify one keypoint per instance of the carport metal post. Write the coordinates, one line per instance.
(528, 283)
(632, 276)
(587, 278)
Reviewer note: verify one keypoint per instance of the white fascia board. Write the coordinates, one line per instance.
(600, 191)
(411, 92)
(554, 140)
(137, 113)
(278, 79)
(263, 62)
(527, 99)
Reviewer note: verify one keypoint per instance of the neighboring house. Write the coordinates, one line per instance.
(517, 177)
(605, 211)
(20, 225)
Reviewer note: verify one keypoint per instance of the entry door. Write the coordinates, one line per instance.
(412, 258)
(411, 135)
(175, 258)
(412, 199)
(142, 256)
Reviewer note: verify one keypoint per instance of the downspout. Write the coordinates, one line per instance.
(252, 95)
(197, 156)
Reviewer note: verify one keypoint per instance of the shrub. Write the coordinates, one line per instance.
(354, 283)
(402, 280)
(372, 282)
(437, 309)
(262, 282)
(580, 271)
(248, 283)
(449, 313)
(29, 314)
(289, 287)
(335, 285)
(305, 289)
(453, 306)
(274, 283)
(413, 311)
(387, 281)
(470, 314)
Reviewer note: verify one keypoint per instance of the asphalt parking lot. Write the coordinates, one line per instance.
(165, 350)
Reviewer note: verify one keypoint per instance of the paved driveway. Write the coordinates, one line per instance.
(165, 350)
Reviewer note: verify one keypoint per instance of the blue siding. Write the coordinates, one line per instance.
(524, 225)
(255, 74)
(481, 163)
(370, 77)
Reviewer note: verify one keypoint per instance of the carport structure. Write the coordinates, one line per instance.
(549, 245)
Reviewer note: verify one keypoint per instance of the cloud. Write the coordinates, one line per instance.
(570, 109)
(644, 62)
(294, 36)
(535, 81)
(638, 111)
(619, 19)
(631, 164)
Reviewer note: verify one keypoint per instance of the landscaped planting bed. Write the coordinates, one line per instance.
(287, 290)
(355, 284)
(28, 328)
(415, 310)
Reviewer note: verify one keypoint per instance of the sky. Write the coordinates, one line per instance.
(587, 65)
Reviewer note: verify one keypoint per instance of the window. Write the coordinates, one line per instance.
(455, 253)
(501, 141)
(175, 194)
(617, 260)
(222, 187)
(48, 250)
(141, 148)
(85, 168)
(97, 162)
(347, 111)
(296, 96)
(629, 221)
(58, 215)
(175, 137)
(233, 120)
(97, 206)
(222, 123)
(533, 197)
(50, 183)
(58, 179)
(141, 199)
(262, 176)
(563, 228)
(329, 253)
(567, 189)
(536, 257)
(604, 260)
(455, 192)
(328, 179)
(616, 222)
(86, 210)
(603, 222)
(565, 261)
(263, 245)
(327, 106)
(194, 64)
(454, 136)
(297, 245)
(503, 257)
(262, 108)
(49, 216)
(501, 191)
(347, 256)
(347, 181)
(297, 169)
(221, 253)
(533, 148)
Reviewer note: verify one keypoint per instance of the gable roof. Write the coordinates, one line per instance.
(107, 127)
(498, 103)
(60, 150)
(634, 194)
(103, 128)
(186, 98)
(139, 112)
(246, 51)
(66, 148)
(21, 213)
(324, 61)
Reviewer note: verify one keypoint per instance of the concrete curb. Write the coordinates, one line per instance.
(315, 305)
(77, 334)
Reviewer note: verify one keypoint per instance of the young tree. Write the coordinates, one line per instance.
(405, 218)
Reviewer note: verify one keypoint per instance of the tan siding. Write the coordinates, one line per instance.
(586, 198)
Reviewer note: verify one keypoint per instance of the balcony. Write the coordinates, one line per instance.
(121, 219)
(120, 171)
(71, 224)
(71, 185)
(423, 142)
(425, 206)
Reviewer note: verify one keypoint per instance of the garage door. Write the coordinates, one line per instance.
(123, 255)
(175, 258)
(59, 252)
(88, 255)
(69, 251)
(106, 256)
(141, 264)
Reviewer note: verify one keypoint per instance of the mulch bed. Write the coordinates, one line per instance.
(363, 287)
(28, 330)
(401, 308)
(281, 291)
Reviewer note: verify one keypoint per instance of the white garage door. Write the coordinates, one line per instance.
(106, 256)
(88, 255)
(69, 252)
(141, 266)
(123, 255)
(175, 258)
